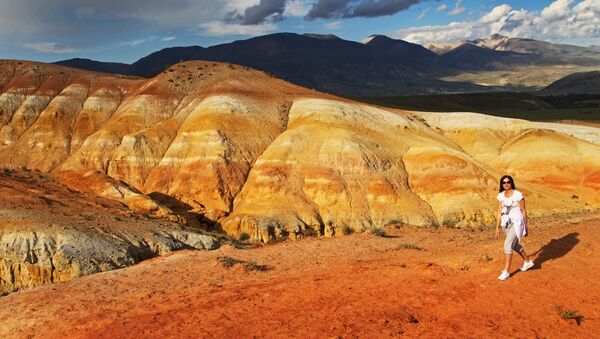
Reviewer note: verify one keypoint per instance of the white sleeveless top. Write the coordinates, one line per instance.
(511, 210)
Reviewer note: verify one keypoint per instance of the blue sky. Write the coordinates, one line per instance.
(126, 30)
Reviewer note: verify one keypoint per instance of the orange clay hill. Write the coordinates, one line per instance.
(103, 171)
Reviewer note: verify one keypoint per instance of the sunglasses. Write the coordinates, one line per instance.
(506, 182)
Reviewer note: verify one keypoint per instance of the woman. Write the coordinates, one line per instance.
(512, 216)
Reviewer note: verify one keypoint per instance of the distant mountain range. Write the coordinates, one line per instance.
(378, 66)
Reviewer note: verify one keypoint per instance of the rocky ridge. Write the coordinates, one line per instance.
(260, 156)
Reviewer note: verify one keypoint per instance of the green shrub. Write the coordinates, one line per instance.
(410, 246)
(568, 314)
(396, 223)
(450, 222)
(347, 230)
(434, 224)
(229, 262)
(377, 231)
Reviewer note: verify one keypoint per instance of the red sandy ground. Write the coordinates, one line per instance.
(354, 286)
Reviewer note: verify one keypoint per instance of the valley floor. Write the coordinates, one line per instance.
(414, 282)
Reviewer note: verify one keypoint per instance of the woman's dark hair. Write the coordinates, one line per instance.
(512, 182)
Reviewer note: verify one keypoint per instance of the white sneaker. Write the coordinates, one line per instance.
(504, 275)
(527, 265)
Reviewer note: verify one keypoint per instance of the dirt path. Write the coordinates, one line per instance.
(355, 286)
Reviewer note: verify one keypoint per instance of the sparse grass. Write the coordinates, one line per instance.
(434, 224)
(412, 319)
(233, 241)
(410, 246)
(229, 262)
(567, 314)
(450, 222)
(252, 266)
(377, 231)
(396, 223)
(347, 230)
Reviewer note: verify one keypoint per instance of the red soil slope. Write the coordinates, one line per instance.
(359, 285)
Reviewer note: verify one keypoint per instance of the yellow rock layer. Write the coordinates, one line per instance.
(264, 157)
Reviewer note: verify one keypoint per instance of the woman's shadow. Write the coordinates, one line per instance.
(555, 249)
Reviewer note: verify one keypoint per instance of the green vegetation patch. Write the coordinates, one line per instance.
(229, 262)
(567, 314)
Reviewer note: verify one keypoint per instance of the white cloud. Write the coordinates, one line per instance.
(441, 7)
(496, 14)
(457, 9)
(169, 38)
(561, 21)
(333, 25)
(220, 28)
(423, 13)
(50, 47)
(136, 42)
(297, 8)
(557, 10)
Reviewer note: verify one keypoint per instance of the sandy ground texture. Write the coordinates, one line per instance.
(413, 282)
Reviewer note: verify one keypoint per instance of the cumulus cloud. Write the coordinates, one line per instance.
(326, 9)
(496, 14)
(562, 20)
(50, 47)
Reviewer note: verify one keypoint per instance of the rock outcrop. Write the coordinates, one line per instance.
(257, 155)
(50, 233)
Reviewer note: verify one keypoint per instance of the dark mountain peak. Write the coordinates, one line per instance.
(378, 38)
(383, 41)
(96, 66)
(470, 49)
(322, 36)
(178, 49)
(76, 60)
(157, 62)
(471, 56)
